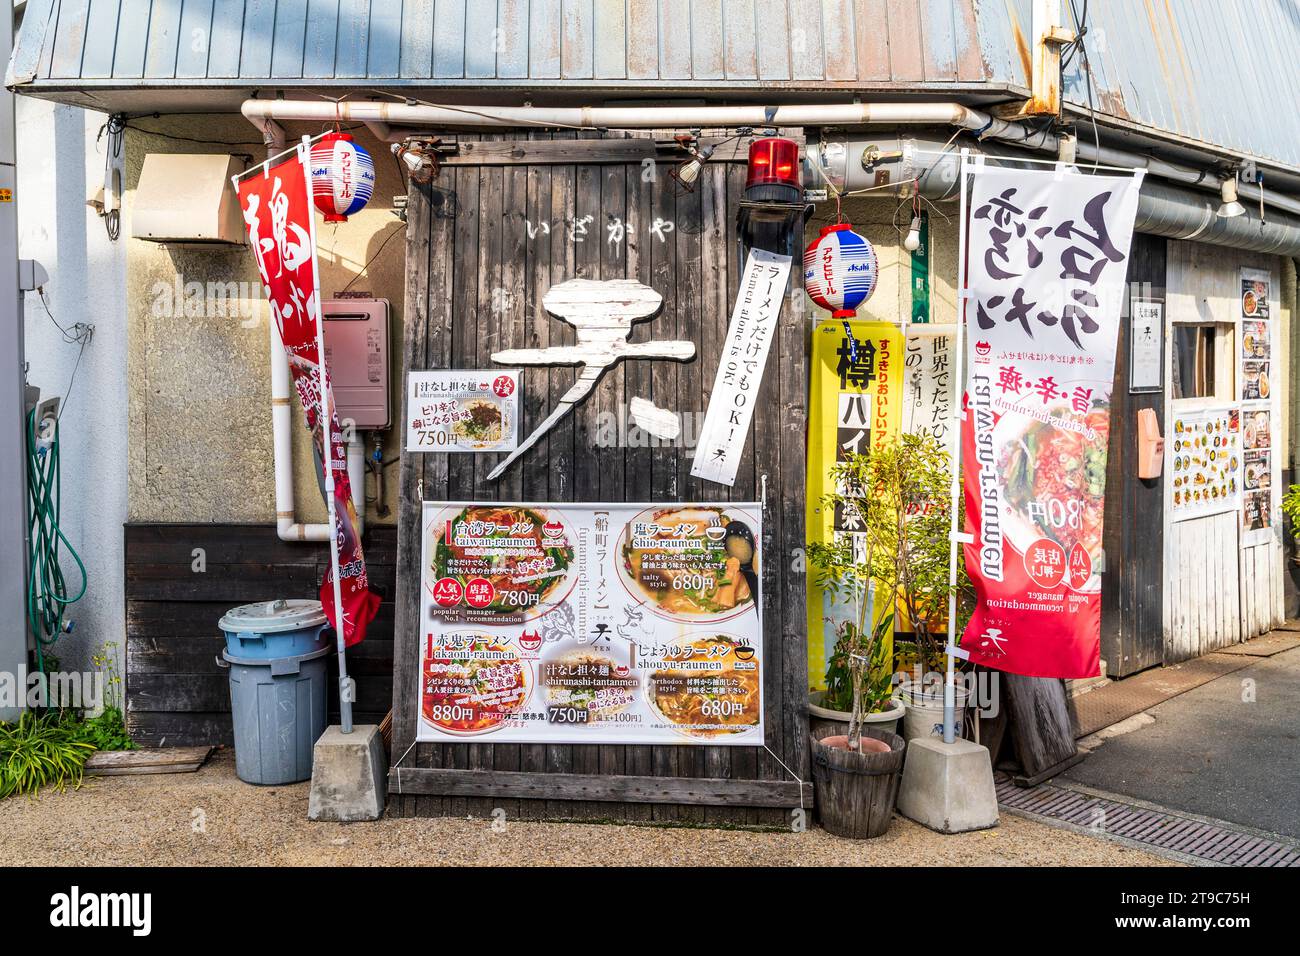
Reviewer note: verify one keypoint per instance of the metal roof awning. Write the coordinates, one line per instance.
(1192, 79)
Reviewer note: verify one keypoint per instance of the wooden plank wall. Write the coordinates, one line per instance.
(479, 260)
(176, 694)
(1132, 585)
(1217, 592)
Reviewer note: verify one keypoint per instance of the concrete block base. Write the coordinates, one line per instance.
(948, 787)
(349, 775)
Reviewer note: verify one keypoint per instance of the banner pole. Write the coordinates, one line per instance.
(954, 458)
(327, 460)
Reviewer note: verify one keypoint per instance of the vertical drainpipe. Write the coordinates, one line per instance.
(13, 446)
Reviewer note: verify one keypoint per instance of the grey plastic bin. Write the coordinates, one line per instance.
(278, 707)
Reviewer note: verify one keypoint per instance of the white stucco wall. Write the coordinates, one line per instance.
(59, 164)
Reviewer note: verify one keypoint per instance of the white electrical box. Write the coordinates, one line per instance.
(187, 197)
(356, 350)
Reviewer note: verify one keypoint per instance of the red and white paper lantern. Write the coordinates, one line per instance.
(342, 176)
(840, 270)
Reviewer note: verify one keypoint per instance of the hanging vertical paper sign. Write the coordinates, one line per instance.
(277, 207)
(1044, 279)
(740, 370)
(855, 406)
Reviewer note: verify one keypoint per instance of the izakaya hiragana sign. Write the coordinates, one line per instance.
(621, 623)
(1044, 280)
(277, 207)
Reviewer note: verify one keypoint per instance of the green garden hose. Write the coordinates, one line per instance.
(47, 591)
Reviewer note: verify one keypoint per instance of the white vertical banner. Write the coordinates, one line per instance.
(740, 368)
(1044, 286)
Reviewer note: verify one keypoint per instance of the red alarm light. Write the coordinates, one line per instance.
(774, 161)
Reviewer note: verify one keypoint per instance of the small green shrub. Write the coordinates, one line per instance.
(38, 751)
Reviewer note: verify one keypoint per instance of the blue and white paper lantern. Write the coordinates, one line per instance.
(342, 176)
(839, 270)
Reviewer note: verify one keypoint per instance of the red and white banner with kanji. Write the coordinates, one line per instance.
(276, 200)
(1046, 261)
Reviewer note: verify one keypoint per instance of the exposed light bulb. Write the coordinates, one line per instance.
(913, 240)
(689, 171)
(414, 160)
(1229, 207)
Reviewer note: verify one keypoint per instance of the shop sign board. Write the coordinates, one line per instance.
(1043, 288)
(591, 623)
(462, 410)
(1146, 361)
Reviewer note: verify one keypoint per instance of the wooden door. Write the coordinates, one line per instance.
(1132, 637)
(497, 228)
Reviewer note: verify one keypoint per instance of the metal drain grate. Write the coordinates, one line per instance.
(1160, 830)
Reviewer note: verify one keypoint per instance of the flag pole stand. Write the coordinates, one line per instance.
(948, 782)
(349, 770)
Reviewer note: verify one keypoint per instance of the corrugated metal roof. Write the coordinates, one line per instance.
(1218, 72)
(1221, 72)
(714, 43)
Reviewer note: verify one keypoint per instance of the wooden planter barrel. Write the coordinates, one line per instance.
(856, 791)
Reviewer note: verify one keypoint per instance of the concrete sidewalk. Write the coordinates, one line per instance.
(1228, 749)
(211, 818)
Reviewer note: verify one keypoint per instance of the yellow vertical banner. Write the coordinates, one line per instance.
(855, 404)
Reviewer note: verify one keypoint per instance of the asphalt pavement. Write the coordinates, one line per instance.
(1229, 749)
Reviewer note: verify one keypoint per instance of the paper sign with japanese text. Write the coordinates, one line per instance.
(468, 410)
(753, 328)
(1043, 283)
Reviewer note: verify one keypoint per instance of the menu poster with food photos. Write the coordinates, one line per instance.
(589, 623)
(466, 410)
(1256, 337)
(1257, 506)
(1205, 451)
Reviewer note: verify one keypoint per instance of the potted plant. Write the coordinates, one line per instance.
(920, 476)
(834, 705)
(856, 768)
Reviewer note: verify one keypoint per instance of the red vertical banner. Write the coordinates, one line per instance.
(1044, 279)
(276, 201)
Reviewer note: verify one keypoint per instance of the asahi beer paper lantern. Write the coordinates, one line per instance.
(839, 270)
(342, 176)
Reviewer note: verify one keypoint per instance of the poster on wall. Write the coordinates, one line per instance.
(620, 623)
(1043, 282)
(856, 405)
(1256, 336)
(1257, 506)
(929, 389)
(1205, 461)
(1146, 360)
(462, 411)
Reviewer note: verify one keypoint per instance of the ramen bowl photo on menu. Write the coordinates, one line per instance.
(707, 687)
(692, 565)
(498, 563)
(472, 683)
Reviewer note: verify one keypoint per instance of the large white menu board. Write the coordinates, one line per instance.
(585, 623)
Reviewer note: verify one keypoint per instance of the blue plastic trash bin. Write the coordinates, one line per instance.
(273, 629)
(278, 709)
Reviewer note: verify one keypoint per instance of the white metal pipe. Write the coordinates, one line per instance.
(393, 115)
(287, 525)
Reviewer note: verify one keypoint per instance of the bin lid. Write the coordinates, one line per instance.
(272, 617)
